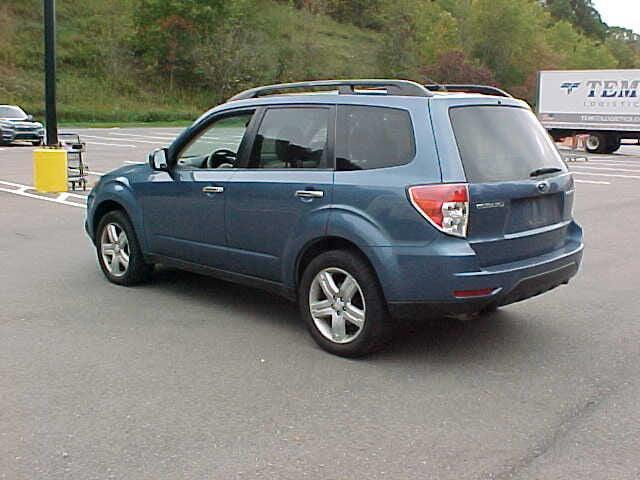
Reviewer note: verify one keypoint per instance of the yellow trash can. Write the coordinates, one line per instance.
(50, 169)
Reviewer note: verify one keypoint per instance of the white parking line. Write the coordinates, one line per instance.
(175, 132)
(605, 175)
(21, 190)
(615, 162)
(606, 164)
(112, 144)
(607, 168)
(633, 159)
(134, 163)
(65, 195)
(23, 187)
(161, 137)
(596, 182)
(11, 184)
(115, 139)
(166, 140)
(613, 157)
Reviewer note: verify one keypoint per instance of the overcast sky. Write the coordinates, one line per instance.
(620, 13)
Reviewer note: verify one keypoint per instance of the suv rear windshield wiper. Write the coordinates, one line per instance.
(544, 170)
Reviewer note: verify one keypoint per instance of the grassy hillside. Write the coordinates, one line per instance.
(101, 77)
(168, 60)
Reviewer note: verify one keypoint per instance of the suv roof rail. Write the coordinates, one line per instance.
(463, 88)
(345, 87)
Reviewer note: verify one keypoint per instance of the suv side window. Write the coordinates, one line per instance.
(218, 145)
(291, 138)
(373, 137)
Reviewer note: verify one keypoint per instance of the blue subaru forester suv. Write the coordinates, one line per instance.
(364, 200)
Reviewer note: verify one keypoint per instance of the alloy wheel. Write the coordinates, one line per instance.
(337, 305)
(114, 248)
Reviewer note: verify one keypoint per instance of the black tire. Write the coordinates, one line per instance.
(37, 143)
(492, 308)
(613, 143)
(377, 329)
(137, 271)
(597, 143)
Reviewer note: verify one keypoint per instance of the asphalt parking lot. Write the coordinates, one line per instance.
(191, 378)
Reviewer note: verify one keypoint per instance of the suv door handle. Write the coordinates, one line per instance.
(212, 189)
(309, 193)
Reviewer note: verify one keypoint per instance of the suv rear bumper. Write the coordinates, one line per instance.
(422, 284)
(527, 287)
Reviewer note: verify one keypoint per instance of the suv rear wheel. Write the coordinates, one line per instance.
(342, 303)
(119, 253)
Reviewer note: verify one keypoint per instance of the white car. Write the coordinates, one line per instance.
(16, 125)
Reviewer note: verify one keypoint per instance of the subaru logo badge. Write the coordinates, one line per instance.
(542, 187)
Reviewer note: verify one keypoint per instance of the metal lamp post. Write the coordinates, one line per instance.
(50, 71)
(50, 163)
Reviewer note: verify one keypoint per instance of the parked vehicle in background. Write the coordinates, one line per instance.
(380, 199)
(605, 104)
(7, 132)
(19, 126)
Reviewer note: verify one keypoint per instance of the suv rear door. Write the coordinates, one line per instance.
(382, 146)
(279, 198)
(520, 191)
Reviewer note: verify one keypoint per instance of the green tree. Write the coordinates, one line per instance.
(575, 51)
(580, 13)
(363, 13)
(414, 35)
(168, 32)
(507, 36)
(455, 67)
(624, 44)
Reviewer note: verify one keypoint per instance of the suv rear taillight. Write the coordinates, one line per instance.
(446, 206)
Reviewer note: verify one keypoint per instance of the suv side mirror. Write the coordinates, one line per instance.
(158, 159)
(30, 118)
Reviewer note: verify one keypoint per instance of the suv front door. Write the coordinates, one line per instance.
(278, 200)
(184, 209)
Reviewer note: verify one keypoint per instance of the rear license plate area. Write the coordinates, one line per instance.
(534, 212)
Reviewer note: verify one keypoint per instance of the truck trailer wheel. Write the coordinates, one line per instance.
(613, 143)
(597, 143)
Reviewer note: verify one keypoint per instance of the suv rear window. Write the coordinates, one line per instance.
(500, 143)
(373, 137)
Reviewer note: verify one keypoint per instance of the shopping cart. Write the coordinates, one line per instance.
(77, 169)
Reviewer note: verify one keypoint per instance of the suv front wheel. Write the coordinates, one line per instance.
(119, 253)
(343, 306)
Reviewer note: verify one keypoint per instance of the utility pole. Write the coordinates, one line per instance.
(50, 163)
(50, 71)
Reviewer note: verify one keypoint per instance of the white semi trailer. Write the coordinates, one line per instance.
(604, 104)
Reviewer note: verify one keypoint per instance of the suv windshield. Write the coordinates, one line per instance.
(500, 143)
(12, 112)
